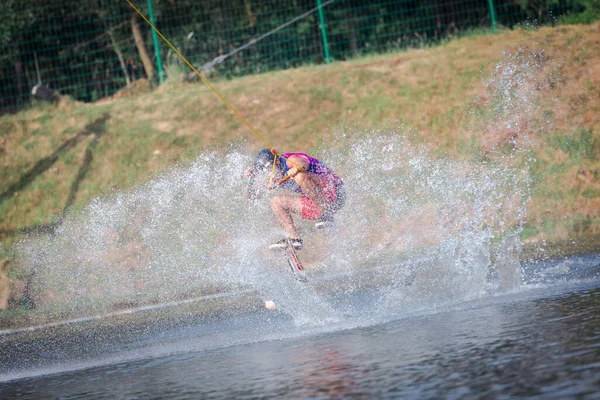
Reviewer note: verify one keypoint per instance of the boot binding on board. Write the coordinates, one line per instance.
(297, 244)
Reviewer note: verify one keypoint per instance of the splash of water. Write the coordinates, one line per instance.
(192, 232)
(430, 229)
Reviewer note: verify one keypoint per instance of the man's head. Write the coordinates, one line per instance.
(264, 160)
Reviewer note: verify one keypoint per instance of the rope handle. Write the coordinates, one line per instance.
(285, 178)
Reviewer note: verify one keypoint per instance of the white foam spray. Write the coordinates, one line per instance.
(431, 229)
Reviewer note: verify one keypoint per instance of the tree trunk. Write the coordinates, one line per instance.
(114, 43)
(251, 28)
(317, 42)
(352, 33)
(19, 75)
(220, 21)
(117, 50)
(139, 43)
(251, 16)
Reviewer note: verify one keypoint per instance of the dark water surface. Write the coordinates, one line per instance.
(542, 341)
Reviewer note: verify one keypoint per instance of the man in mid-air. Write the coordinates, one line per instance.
(321, 190)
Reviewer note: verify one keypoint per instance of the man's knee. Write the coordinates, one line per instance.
(276, 202)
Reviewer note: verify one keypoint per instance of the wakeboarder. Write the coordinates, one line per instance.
(321, 191)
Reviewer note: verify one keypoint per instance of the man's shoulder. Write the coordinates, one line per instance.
(296, 159)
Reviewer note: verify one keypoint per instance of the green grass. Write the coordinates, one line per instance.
(529, 231)
(581, 224)
(581, 144)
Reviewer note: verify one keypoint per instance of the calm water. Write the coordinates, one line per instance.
(542, 340)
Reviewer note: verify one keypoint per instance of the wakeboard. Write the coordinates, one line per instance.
(294, 262)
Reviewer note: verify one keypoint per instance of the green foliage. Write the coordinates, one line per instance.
(587, 12)
(86, 48)
(592, 6)
(580, 18)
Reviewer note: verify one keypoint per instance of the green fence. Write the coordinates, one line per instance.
(90, 49)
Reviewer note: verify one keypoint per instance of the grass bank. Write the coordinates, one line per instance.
(55, 158)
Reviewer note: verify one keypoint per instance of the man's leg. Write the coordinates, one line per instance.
(282, 205)
(311, 188)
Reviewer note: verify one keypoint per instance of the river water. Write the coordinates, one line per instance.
(541, 340)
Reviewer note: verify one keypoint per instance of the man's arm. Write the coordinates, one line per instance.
(308, 182)
(295, 165)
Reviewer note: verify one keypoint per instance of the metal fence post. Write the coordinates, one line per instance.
(492, 15)
(324, 32)
(161, 73)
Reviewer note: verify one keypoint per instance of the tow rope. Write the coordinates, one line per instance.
(240, 116)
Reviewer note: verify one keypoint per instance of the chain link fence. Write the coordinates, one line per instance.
(90, 49)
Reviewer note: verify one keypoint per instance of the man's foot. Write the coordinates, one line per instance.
(325, 222)
(297, 244)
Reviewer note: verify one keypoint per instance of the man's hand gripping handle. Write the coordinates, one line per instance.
(291, 173)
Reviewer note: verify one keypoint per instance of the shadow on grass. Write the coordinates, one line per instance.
(95, 130)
